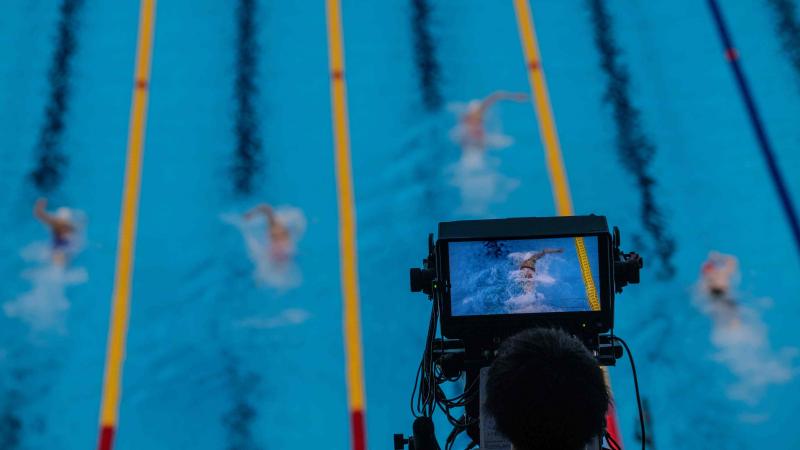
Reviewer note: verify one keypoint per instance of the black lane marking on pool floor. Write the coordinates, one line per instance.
(788, 29)
(428, 69)
(238, 420)
(11, 427)
(50, 159)
(635, 149)
(755, 119)
(248, 157)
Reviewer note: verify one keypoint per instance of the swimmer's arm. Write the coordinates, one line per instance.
(40, 213)
(502, 95)
(262, 209)
(730, 265)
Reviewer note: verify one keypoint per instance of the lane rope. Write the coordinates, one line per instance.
(123, 277)
(552, 148)
(354, 359)
(764, 144)
(586, 271)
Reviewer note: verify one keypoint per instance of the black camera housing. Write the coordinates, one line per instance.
(434, 278)
(469, 342)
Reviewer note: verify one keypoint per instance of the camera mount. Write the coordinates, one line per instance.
(465, 349)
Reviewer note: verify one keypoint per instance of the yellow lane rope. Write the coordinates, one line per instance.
(586, 271)
(544, 113)
(549, 136)
(120, 310)
(347, 229)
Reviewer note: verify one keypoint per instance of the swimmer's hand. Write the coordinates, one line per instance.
(502, 95)
(259, 209)
(39, 209)
(514, 96)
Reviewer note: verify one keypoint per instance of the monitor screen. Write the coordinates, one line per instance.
(524, 276)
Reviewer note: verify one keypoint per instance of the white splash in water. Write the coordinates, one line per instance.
(476, 174)
(281, 273)
(529, 301)
(479, 182)
(44, 306)
(740, 337)
(491, 138)
(287, 317)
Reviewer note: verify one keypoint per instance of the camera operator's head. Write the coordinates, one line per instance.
(546, 391)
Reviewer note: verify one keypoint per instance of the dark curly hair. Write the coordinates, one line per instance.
(546, 391)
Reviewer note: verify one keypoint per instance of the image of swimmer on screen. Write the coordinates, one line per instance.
(520, 276)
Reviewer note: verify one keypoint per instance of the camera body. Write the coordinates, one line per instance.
(490, 279)
(573, 291)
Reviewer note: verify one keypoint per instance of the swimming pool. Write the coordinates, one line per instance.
(215, 360)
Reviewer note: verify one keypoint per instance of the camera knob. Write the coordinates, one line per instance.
(400, 442)
(422, 280)
(416, 280)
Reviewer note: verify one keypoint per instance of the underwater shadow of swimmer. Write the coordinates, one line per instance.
(277, 272)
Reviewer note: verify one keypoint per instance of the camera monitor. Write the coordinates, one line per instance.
(524, 276)
(509, 274)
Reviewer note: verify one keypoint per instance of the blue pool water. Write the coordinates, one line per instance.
(220, 358)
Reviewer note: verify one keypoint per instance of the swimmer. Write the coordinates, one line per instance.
(61, 226)
(528, 267)
(717, 273)
(277, 233)
(472, 121)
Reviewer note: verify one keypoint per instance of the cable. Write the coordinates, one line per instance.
(427, 394)
(451, 438)
(424, 396)
(636, 386)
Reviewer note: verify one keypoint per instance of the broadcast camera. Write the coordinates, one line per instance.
(490, 279)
